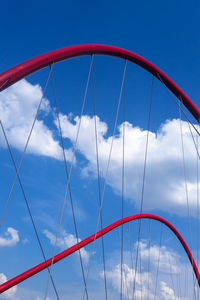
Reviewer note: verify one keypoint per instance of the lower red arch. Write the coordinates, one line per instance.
(5, 286)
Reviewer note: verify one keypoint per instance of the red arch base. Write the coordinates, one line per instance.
(5, 286)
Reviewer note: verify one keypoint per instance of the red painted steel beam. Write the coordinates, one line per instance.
(5, 286)
(20, 71)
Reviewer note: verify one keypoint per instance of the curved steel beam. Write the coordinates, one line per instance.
(5, 286)
(20, 71)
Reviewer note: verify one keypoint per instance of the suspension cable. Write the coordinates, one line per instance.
(171, 275)
(22, 188)
(198, 158)
(187, 118)
(186, 186)
(143, 180)
(131, 251)
(123, 183)
(197, 162)
(4, 83)
(158, 265)
(68, 180)
(26, 145)
(178, 104)
(108, 164)
(148, 265)
(98, 181)
(189, 123)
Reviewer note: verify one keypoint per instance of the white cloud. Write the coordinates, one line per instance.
(145, 283)
(168, 260)
(9, 294)
(168, 293)
(18, 106)
(164, 185)
(128, 275)
(65, 241)
(11, 238)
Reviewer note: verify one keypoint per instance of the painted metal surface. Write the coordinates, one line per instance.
(20, 71)
(5, 286)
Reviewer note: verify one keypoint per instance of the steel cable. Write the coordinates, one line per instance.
(68, 180)
(109, 158)
(143, 181)
(20, 183)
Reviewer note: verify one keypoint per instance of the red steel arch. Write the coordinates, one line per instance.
(18, 72)
(5, 286)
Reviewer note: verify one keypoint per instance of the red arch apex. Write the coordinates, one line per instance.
(20, 71)
(5, 286)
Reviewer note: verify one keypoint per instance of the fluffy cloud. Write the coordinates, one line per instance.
(65, 241)
(9, 294)
(18, 106)
(168, 260)
(128, 275)
(11, 238)
(164, 185)
(145, 278)
(168, 293)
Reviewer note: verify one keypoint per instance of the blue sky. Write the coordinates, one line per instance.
(167, 35)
